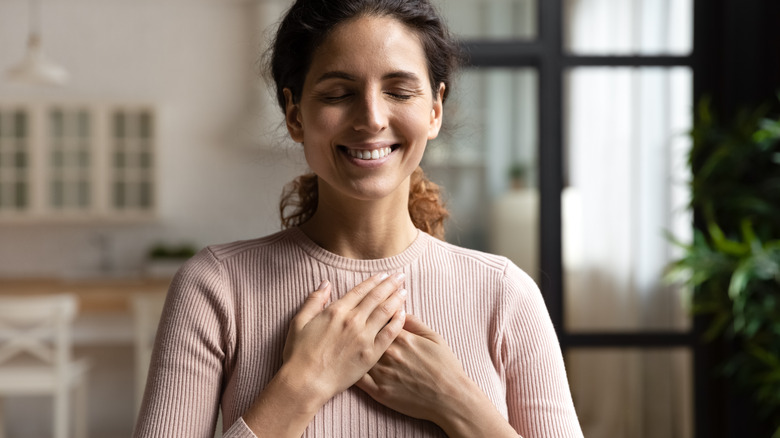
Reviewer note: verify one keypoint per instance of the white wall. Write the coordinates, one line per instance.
(195, 59)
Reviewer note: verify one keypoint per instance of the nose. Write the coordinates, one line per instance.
(370, 113)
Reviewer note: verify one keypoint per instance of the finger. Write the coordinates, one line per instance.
(383, 312)
(352, 298)
(379, 295)
(414, 325)
(313, 305)
(390, 331)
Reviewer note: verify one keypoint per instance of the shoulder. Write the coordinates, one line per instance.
(226, 251)
(494, 265)
(208, 267)
(451, 253)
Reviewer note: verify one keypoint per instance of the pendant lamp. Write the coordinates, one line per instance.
(35, 68)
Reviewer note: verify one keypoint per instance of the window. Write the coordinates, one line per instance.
(486, 160)
(70, 159)
(492, 19)
(132, 164)
(77, 161)
(14, 159)
(590, 103)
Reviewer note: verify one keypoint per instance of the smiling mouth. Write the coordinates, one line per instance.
(368, 155)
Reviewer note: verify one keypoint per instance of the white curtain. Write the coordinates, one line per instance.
(625, 140)
(626, 143)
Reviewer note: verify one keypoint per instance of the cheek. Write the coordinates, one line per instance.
(321, 122)
(415, 134)
(416, 125)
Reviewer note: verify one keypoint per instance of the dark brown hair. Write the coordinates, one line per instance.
(302, 30)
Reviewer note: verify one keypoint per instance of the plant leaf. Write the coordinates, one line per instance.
(723, 244)
(740, 279)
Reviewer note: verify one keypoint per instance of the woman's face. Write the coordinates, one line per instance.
(366, 110)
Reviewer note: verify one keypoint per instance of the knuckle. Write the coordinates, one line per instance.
(385, 336)
(376, 296)
(388, 308)
(393, 355)
(366, 356)
(335, 312)
(363, 288)
(350, 323)
(402, 342)
(360, 291)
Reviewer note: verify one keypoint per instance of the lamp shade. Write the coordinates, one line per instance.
(35, 68)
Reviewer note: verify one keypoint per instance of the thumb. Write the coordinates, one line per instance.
(313, 305)
(414, 325)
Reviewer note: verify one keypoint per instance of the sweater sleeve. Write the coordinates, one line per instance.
(538, 396)
(194, 338)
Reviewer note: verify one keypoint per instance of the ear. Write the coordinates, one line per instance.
(437, 113)
(293, 117)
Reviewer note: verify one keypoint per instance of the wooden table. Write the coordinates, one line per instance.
(105, 309)
(97, 295)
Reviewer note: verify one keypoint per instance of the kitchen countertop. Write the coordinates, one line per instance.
(96, 295)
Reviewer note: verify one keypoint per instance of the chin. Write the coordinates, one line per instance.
(376, 191)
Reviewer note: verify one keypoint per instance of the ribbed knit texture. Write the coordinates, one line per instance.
(228, 309)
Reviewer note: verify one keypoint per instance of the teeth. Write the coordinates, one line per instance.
(369, 155)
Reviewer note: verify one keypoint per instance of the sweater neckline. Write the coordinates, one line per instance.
(398, 261)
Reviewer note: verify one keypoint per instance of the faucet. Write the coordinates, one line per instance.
(105, 261)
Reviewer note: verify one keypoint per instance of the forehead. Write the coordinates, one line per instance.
(370, 44)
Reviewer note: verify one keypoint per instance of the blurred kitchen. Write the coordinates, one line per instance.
(133, 133)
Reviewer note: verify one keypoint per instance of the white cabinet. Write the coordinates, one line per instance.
(77, 161)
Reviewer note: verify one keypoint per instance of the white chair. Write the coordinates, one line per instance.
(35, 357)
(147, 310)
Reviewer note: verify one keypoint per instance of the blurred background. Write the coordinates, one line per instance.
(135, 132)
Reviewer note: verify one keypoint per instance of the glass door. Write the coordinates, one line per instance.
(567, 155)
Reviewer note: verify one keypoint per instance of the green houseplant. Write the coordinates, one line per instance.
(732, 267)
(518, 174)
(164, 260)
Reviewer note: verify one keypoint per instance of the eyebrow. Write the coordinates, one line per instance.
(337, 74)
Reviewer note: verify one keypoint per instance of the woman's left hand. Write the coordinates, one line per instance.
(421, 377)
(416, 374)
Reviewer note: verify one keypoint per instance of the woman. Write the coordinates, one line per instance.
(403, 335)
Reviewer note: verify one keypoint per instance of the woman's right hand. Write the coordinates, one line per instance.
(328, 349)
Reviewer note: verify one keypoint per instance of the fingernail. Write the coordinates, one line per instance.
(403, 313)
(403, 292)
(383, 276)
(323, 285)
(399, 276)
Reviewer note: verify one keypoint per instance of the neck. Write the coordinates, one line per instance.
(362, 230)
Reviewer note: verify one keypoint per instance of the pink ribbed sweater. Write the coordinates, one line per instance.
(225, 321)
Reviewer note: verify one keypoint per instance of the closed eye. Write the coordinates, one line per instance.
(336, 98)
(400, 96)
